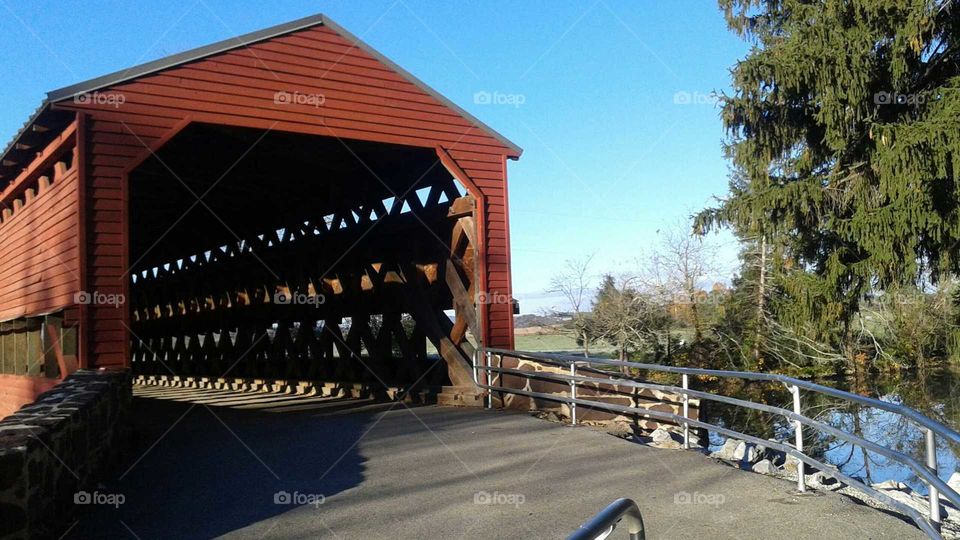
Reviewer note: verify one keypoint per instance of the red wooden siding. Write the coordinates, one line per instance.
(39, 269)
(363, 99)
(18, 390)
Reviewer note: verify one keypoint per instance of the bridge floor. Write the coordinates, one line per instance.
(204, 469)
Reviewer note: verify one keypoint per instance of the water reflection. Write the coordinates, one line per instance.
(933, 394)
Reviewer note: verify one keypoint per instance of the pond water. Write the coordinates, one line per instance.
(933, 394)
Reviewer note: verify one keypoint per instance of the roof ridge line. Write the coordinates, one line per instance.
(173, 60)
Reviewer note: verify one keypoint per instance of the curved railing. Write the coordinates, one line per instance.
(603, 524)
(930, 524)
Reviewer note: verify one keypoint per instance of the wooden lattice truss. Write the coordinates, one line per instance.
(351, 296)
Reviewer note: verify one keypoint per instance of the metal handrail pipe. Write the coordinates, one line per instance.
(602, 524)
(907, 412)
(918, 519)
(921, 470)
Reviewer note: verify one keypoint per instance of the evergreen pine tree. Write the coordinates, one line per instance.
(844, 134)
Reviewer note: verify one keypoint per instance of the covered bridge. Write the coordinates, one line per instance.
(284, 204)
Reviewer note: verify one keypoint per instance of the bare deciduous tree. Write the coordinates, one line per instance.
(625, 317)
(574, 284)
(677, 267)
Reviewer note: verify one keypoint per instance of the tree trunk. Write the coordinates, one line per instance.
(694, 315)
(761, 295)
(849, 349)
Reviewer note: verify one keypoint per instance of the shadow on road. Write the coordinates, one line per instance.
(199, 470)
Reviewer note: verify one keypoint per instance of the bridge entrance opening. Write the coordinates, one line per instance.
(272, 255)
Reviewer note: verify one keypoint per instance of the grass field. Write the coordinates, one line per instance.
(546, 343)
(541, 342)
(547, 339)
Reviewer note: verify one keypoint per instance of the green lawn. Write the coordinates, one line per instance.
(546, 343)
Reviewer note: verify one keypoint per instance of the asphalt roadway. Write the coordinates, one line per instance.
(239, 465)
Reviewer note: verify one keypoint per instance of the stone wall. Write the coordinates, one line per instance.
(57, 446)
(639, 398)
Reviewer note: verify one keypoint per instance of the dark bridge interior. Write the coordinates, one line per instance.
(278, 255)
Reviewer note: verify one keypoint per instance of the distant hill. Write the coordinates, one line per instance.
(531, 320)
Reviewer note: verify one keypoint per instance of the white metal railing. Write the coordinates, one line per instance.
(930, 524)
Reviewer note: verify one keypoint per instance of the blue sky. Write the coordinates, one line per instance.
(587, 89)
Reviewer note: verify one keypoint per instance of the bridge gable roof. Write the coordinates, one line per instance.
(30, 137)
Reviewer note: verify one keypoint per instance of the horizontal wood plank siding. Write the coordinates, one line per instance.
(362, 99)
(112, 145)
(39, 269)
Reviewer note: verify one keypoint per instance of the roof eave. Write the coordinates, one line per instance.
(515, 150)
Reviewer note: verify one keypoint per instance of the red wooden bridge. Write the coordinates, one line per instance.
(287, 203)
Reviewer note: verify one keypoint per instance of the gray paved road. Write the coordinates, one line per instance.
(204, 469)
